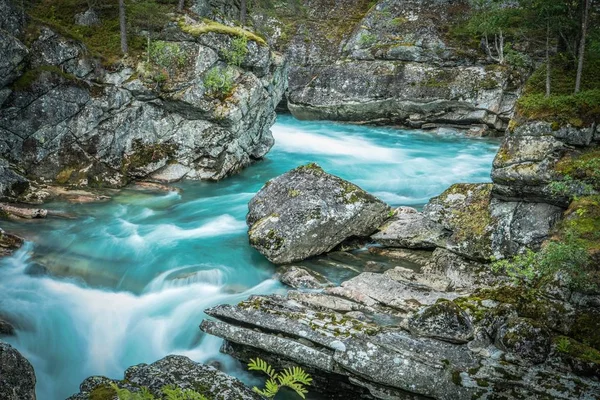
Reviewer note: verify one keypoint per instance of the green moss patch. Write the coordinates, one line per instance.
(208, 26)
(31, 76)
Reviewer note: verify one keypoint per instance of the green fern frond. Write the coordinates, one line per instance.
(262, 366)
(294, 378)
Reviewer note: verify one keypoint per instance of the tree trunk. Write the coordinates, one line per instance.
(123, 27)
(548, 67)
(243, 6)
(180, 5)
(584, 23)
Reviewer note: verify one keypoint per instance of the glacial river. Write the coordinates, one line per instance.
(129, 278)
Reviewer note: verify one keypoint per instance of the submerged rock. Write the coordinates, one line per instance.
(17, 379)
(171, 370)
(306, 212)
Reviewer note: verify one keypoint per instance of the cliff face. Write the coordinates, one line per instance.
(390, 63)
(66, 119)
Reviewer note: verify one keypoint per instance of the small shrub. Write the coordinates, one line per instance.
(367, 39)
(294, 378)
(569, 257)
(167, 55)
(219, 82)
(563, 344)
(236, 54)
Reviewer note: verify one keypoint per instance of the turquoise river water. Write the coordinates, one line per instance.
(129, 278)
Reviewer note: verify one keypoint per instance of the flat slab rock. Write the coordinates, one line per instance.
(306, 212)
(172, 370)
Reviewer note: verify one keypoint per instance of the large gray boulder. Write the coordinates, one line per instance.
(306, 212)
(179, 371)
(17, 379)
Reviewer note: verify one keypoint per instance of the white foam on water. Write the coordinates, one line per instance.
(292, 140)
(222, 225)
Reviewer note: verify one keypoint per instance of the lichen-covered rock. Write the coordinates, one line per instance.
(521, 225)
(444, 321)
(463, 209)
(172, 370)
(67, 120)
(17, 379)
(525, 338)
(306, 212)
(528, 164)
(411, 229)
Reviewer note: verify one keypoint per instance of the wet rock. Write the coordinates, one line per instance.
(301, 278)
(172, 370)
(6, 328)
(411, 230)
(524, 338)
(307, 212)
(9, 243)
(17, 379)
(444, 321)
(22, 212)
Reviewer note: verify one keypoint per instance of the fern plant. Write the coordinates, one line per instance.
(294, 378)
(171, 392)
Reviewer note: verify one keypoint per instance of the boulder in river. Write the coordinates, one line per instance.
(17, 379)
(306, 212)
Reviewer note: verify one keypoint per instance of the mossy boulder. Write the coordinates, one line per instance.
(525, 338)
(306, 212)
(464, 210)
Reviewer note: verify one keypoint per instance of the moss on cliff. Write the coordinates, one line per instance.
(208, 26)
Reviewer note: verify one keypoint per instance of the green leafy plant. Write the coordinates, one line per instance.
(522, 266)
(294, 378)
(563, 344)
(170, 392)
(166, 54)
(568, 257)
(219, 82)
(237, 52)
(367, 39)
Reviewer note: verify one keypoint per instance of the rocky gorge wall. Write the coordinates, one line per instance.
(389, 63)
(66, 119)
